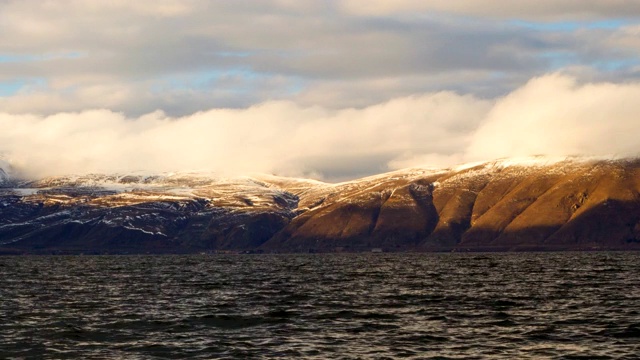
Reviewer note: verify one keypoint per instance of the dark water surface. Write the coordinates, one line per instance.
(471, 306)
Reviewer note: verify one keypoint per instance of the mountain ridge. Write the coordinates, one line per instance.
(534, 203)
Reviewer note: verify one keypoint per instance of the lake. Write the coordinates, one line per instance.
(440, 306)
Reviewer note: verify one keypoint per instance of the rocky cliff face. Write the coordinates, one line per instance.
(506, 205)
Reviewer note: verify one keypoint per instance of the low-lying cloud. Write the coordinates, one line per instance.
(553, 114)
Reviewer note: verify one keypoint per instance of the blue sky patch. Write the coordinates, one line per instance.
(9, 88)
(22, 58)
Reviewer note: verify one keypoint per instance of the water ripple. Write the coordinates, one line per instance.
(438, 306)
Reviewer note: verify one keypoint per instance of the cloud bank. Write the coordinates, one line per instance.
(185, 56)
(554, 115)
(523, 9)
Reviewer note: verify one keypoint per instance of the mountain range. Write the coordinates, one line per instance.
(527, 204)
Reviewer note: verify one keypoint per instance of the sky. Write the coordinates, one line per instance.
(330, 89)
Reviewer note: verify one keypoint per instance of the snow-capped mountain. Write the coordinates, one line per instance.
(535, 203)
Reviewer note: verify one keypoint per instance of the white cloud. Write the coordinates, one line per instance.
(313, 87)
(271, 137)
(556, 115)
(553, 115)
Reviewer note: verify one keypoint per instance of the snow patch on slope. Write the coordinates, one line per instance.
(535, 161)
(529, 161)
